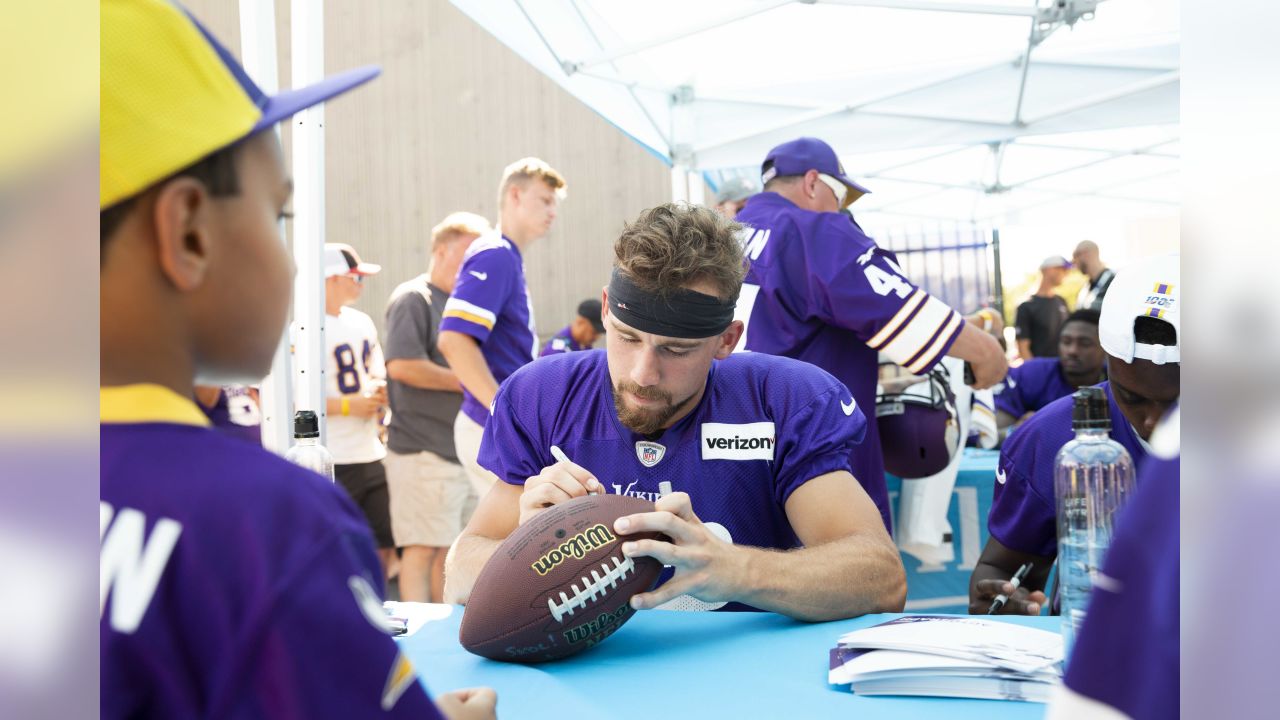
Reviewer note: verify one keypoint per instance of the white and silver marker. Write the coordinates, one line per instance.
(559, 455)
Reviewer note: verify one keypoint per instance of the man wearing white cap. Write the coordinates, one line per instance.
(1040, 317)
(356, 392)
(1141, 333)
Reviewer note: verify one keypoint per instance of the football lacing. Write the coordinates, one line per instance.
(592, 587)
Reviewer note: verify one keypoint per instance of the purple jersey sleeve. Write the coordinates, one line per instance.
(509, 449)
(817, 439)
(1023, 510)
(322, 618)
(861, 288)
(1011, 399)
(485, 283)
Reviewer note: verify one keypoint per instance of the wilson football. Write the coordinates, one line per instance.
(559, 584)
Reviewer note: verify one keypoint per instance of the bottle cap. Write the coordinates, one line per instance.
(306, 424)
(1089, 409)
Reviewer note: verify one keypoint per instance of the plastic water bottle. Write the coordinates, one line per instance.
(1093, 477)
(307, 450)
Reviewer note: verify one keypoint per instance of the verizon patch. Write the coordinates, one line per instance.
(748, 441)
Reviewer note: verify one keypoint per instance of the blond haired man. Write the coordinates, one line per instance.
(431, 498)
(487, 331)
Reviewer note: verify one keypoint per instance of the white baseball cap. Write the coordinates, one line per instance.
(1148, 288)
(341, 259)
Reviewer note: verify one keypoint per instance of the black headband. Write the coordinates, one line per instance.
(680, 314)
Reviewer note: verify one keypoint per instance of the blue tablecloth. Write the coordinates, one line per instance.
(701, 665)
(945, 588)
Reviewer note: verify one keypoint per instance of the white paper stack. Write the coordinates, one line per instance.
(949, 656)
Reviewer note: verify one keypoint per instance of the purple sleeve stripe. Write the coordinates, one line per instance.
(936, 346)
(902, 319)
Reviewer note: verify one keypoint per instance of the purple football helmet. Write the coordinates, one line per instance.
(919, 427)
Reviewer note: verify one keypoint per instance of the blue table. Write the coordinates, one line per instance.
(945, 588)
(689, 665)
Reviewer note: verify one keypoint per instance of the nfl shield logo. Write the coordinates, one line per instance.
(649, 453)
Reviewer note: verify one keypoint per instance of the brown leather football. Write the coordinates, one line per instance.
(559, 584)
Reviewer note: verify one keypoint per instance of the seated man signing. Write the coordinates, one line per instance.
(765, 513)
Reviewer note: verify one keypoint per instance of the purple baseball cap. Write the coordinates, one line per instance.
(801, 155)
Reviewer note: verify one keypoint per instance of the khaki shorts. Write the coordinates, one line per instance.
(431, 499)
(466, 440)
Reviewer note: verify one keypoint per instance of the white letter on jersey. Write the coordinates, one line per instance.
(884, 283)
(755, 244)
(742, 311)
(128, 570)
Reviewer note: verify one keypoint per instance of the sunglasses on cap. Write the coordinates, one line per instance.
(836, 186)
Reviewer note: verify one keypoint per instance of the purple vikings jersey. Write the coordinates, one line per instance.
(1126, 655)
(1032, 385)
(490, 302)
(764, 427)
(561, 342)
(233, 584)
(1024, 508)
(820, 290)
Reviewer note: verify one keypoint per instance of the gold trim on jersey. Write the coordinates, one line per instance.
(147, 403)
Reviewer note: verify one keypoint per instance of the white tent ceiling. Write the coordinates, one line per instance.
(933, 102)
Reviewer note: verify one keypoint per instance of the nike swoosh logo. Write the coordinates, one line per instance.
(848, 409)
(481, 275)
(1000, 478)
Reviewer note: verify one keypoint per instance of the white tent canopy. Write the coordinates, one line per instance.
(949, 109)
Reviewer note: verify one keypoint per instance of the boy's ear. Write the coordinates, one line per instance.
(183, 221)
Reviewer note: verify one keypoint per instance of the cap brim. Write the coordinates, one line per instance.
(283, 105)
(857, 190)
(599, 326)
(365, 268)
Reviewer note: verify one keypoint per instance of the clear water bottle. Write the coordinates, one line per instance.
(307, 450)
(1093, 477)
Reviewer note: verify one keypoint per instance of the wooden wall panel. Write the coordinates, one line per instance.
(431, 135)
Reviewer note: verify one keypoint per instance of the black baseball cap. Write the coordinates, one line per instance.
(590, 309)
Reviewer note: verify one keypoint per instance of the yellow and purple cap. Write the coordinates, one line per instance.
(171, 94)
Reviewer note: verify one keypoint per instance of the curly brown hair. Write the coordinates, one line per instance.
(675, 244)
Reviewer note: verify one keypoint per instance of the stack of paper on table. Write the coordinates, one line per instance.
(949, 656)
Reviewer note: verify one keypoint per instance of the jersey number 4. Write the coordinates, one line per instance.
(348, 374)
(884, 282)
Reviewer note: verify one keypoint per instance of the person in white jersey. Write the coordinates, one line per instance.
(356, 392)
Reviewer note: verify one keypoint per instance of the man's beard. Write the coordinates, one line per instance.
(646, 421)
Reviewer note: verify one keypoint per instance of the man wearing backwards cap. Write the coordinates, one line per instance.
(821, 291)
(755, 447)
(233, 584)
(580, 334)
(1141, 334)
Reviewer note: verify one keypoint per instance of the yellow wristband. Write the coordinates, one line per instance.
(346, 406)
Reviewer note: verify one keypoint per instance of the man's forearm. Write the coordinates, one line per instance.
(976, 346)
(841, 579)
(463, 564)
(423, 374)
(468, 364)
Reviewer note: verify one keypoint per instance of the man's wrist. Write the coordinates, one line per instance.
(751, 575)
